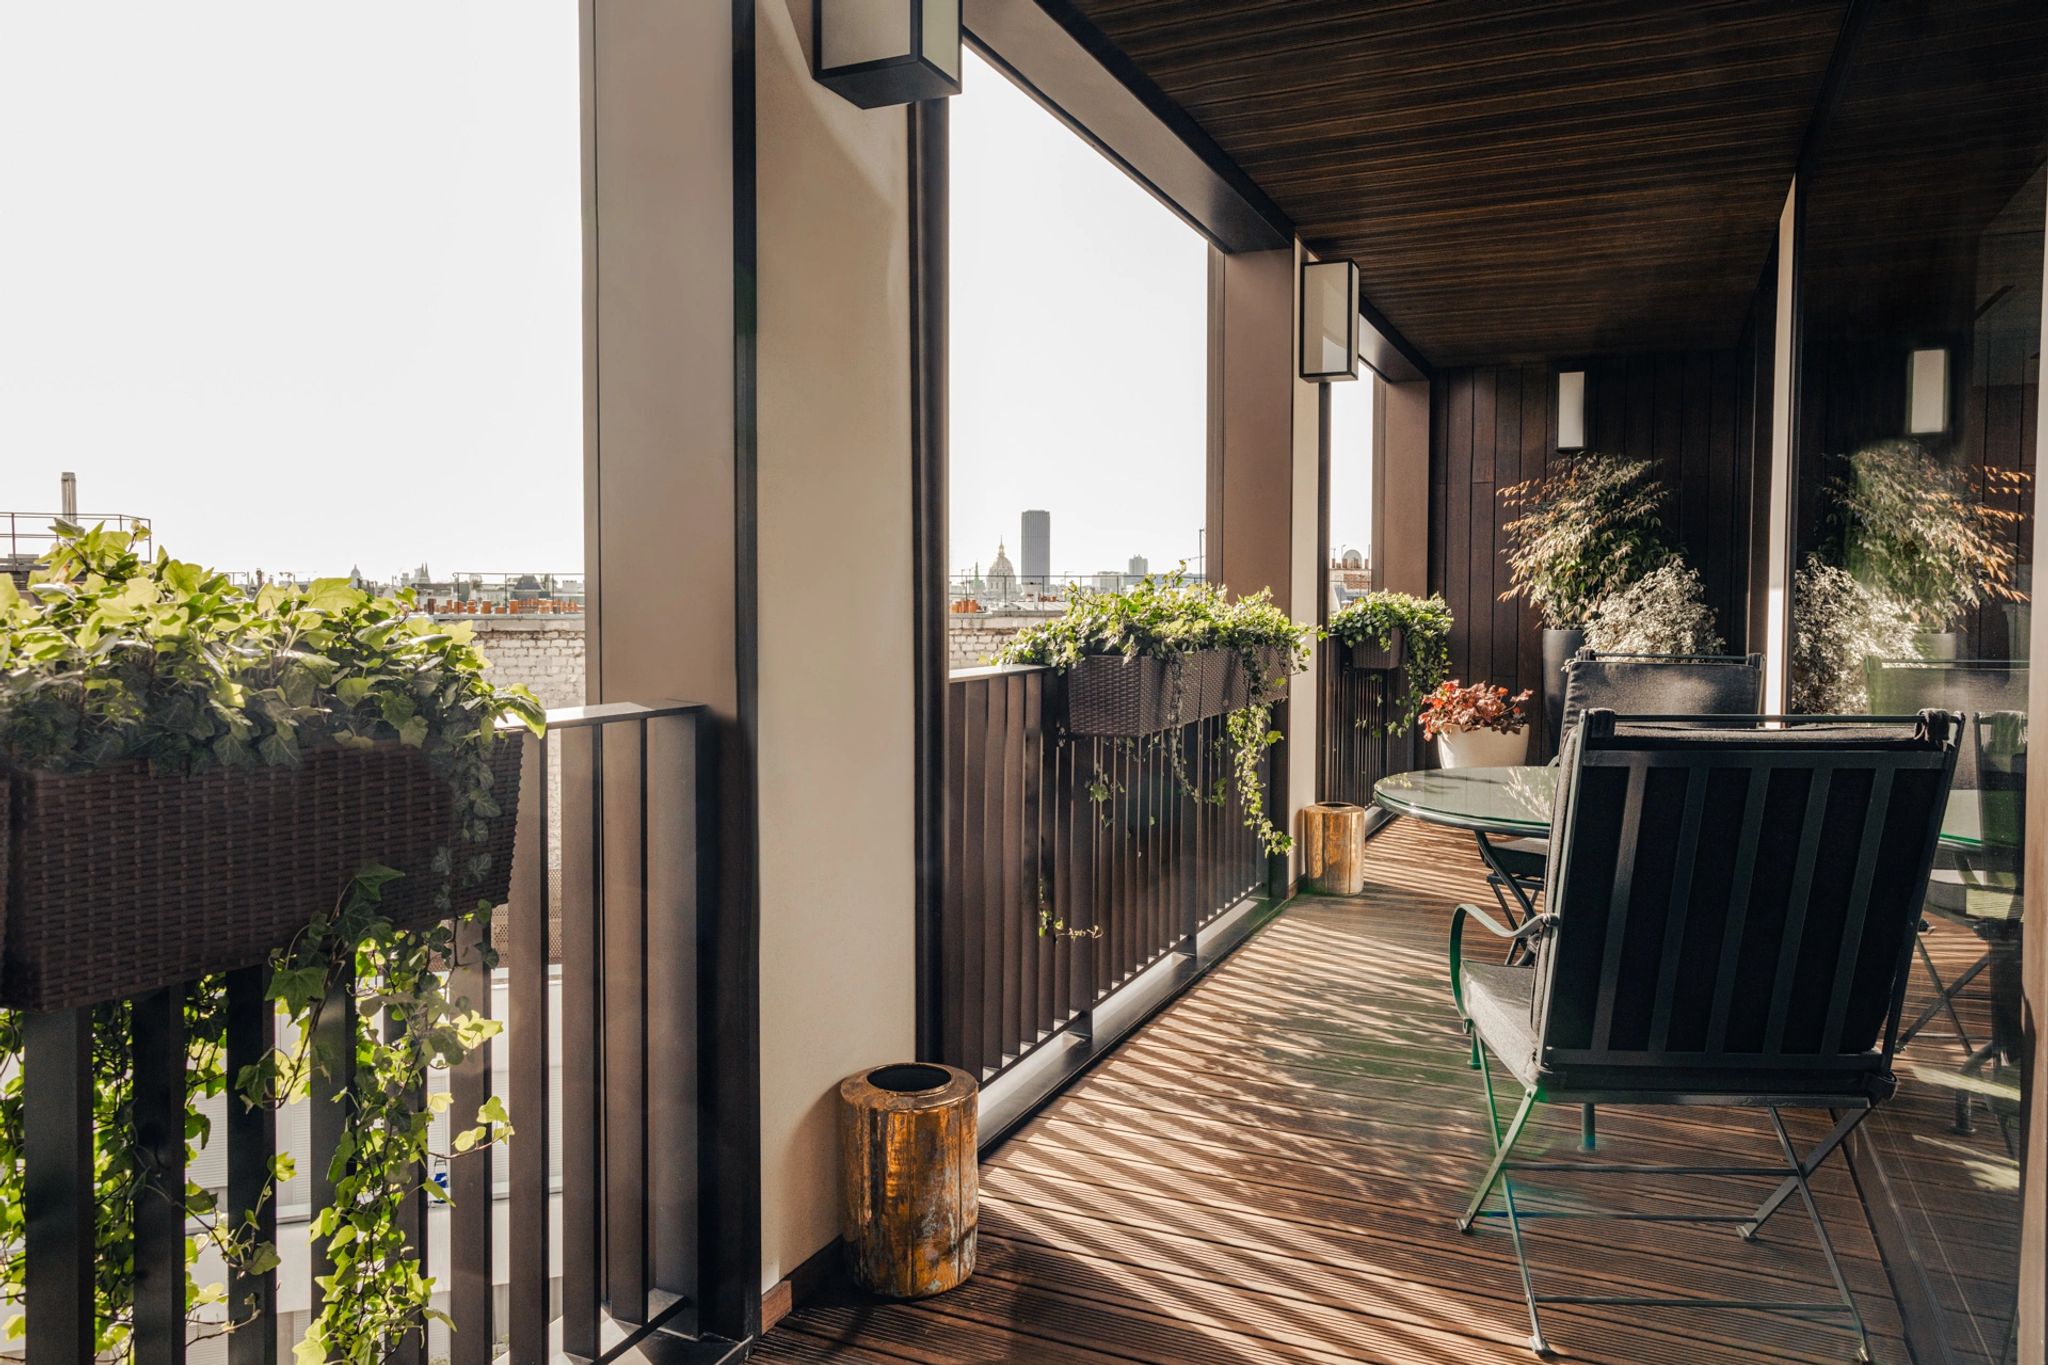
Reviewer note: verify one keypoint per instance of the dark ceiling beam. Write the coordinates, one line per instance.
(1854, 21)
(1089, 85)
(1064, 62)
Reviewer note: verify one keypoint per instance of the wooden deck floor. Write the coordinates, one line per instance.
(1269, 1171)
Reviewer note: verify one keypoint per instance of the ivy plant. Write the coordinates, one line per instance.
(109, 657)
(1170, 617)
(1425, 621)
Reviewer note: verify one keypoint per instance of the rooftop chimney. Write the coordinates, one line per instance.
(70, 496)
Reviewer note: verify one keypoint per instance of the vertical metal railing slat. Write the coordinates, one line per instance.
(251, 1135)
(157, 1054)
(57, 1197)
(582, 1176)
(622, 1012)
(334, 1062)
(527, 1033)
(470, 1250)
(674, 905)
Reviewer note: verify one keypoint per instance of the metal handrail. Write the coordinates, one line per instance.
(47, 534)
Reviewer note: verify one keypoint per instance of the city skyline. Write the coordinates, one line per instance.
(1135, 564)
(1079, 346)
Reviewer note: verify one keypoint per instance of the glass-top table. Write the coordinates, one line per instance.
(1515, 803)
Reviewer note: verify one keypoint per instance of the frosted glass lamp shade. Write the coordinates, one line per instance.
(1927, 392)
(1329, 321)
(1571, 409)
(882, 52)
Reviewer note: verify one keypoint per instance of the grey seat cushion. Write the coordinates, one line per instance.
(1968, 894)
(1499, 1001)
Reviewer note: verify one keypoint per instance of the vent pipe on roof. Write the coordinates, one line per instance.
(70, 496)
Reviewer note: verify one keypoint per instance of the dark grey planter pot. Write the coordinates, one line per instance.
(1558, 648)
(1941, 646)
(1370, 656)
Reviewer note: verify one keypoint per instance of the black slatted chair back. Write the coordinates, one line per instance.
(1663, 685)
(1735, 904)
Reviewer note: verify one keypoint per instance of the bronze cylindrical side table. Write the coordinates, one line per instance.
(907, 1139)
(1333, 849)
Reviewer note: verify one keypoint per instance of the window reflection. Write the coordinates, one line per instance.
(1917, 408)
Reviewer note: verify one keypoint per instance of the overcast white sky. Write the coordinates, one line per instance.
(1079, 345)
(300, 282)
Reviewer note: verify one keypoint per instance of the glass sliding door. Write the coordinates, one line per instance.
(1920, 284)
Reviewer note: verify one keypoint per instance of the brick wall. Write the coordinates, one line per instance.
(542, 653)
(972, 638)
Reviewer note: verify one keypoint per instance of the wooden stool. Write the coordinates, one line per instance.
(1333, 849)
(912, 1182)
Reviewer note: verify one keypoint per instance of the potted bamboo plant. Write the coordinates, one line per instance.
(1590, 526)
(1927, 535)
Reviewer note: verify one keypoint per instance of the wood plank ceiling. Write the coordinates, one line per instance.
(1517, 180)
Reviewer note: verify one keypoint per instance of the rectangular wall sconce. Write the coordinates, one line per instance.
(1571, 409)
(1927, 392)
(1329, 321)
(882, 52)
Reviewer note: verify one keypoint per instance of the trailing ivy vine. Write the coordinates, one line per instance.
(1425, 622)
(1169, 618)
(110, 657)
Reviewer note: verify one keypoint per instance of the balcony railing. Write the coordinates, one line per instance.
(1098, 835)
(25, 537)
(617, 884)
(1357, 751)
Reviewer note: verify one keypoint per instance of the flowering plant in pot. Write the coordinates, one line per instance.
(1476, 725)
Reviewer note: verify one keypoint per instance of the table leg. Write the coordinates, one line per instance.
(1501, 877)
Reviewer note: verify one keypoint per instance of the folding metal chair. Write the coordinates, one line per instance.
(1626, 684)
(1731, 921)
(1979, 891)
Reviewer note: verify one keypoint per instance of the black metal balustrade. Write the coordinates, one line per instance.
(1094, 834)
(630, 789)
(1356, 703)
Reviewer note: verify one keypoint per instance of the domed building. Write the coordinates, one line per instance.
(1002, 578)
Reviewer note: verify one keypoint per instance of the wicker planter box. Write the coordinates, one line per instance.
(117, 881)
(1369, 656)
(1121, 698)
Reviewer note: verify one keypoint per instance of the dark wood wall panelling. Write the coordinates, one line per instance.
(1691, 412)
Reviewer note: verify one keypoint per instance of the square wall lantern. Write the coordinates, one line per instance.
(881, 52)
(1571, 409)
(1329, 321)
(1927, 392)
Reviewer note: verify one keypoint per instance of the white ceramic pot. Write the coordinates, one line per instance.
(1482, 748)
